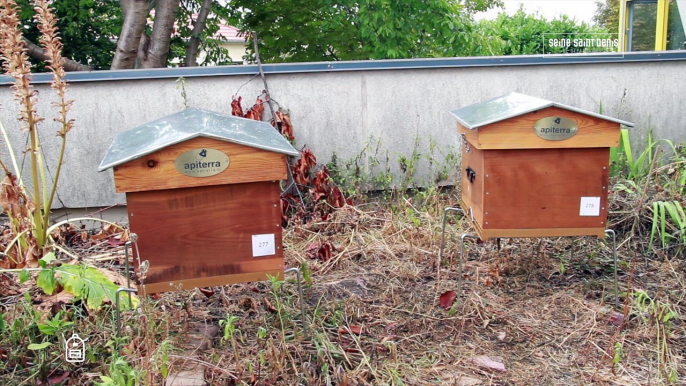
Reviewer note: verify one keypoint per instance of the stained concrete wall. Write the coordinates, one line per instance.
(339, 112)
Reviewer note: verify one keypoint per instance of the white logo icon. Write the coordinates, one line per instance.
(75, 349)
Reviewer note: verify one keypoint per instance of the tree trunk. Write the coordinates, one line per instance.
(136, 12)
(198, 28)
(158, 49)
(39, 53)
(142, 50)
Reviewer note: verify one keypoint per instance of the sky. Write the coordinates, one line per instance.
(581, 10)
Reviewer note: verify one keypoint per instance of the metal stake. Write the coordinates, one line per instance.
(571, 252)
(445, 218)
(459, 278)
(128, 270)
(117, 311)
(614, 259)
(302, 298)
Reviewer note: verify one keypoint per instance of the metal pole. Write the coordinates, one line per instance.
(459, 278)
(128, 270)
(117, 311)
(571, 252)
(302, 299)
(445, 218)
(614, 259)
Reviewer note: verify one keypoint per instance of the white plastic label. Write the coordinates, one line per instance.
(263, 245)
(590, 206)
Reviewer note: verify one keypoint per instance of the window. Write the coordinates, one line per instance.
(642, 22)
(676, 38)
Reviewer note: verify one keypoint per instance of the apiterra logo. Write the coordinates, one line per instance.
(555, 130)
(200, 164)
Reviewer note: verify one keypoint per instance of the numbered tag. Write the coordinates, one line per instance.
(590, 206)
(263, 245)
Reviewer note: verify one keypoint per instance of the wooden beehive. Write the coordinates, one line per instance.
(535, 168)
(203, 196)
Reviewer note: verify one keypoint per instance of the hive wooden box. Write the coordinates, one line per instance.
(203, 196)
(535, 168)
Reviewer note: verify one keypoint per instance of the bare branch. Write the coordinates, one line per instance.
(37, 52)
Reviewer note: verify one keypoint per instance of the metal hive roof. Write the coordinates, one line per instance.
(188, 124)
(513, 105)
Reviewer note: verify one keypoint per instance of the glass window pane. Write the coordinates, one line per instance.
(643, 26)
(676, 38)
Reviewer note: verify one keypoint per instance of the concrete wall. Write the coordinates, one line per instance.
(338, 112)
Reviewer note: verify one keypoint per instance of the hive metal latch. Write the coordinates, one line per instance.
(471, 174)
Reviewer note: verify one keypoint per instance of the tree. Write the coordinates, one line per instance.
(87, 28)
(530, 34)
(316, 30)
(607, 15)
(98, 35)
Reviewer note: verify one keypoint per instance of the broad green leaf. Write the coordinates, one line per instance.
(3, 324)
(48, 258)
(90, 284)
(46, 329)
(39, 346)
(46, 281)
(24, 275)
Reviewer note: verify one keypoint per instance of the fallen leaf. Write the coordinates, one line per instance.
(97, 237)
(269, 305)
(350, 330)
(207, 292)
(55, 378)
(502, 335)
(447, 299)
(616, 318)
(54, 303)
(485, 361)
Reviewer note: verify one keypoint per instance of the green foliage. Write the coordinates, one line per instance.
(621, 156)
(529, 34)
(54, 326)
(660, 221)
(210, 42)
(120, 374)
(661, 315)
(607, 15)
(318, 30)
(371, 169)
(88, 29)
